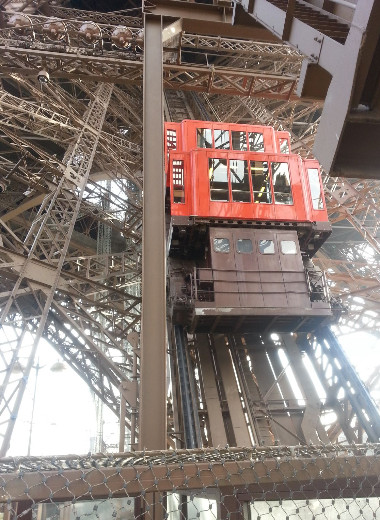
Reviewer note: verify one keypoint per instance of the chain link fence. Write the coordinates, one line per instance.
(286, 483)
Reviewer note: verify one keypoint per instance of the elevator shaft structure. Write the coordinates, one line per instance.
(241, 73)
(278, 389)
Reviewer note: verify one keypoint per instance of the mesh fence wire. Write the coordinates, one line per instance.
(287, 483)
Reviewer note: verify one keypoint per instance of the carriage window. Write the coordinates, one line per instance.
(281, 183)
(217, 170)
(239, 180)
(288, 247)
(256, 142)
(260, 182)
(204, 138)
(244, 245)
(239, 141)
(266, 247)
(315, 188)
(171, 140)
(284, 146)
(178, 182)
(222, 139)
(221, 245)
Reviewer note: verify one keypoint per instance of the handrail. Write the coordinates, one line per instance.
(315, 282)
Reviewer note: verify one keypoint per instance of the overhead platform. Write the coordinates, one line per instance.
(341, 66)
(242, 321)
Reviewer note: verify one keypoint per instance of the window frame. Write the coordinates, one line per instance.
(244, 252)
(169, 140)
(321, 198)
(222, 252)
(269, 158)
(280, 161)
(249, 180)
(261, 160)
(280, 140)
(229, 139)
(212, 138)
(246, 141)
(288, 254)
(172, 166)
(266, 240)
(219, 158)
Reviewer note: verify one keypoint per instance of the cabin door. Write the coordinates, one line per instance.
(293, 270)
(224, 268)
(270, 268)
(247, 268)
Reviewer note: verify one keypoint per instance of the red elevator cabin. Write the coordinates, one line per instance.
(245, 217)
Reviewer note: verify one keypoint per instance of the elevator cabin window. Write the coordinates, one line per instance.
(221, 245)
(260, 182)
(244, 245)
(239, 141)
(171, 139)
(288, 247)
(281, 183)
(284, 146)
(256, 142)
(266, 247)
(204, 138)
(222, 139)
(239, 180)
(315, 188)
(178, 183)
(218, 176)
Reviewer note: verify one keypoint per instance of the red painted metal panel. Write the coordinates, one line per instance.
(170, 130)
(186, 207)
(222, 201)
(317, 215)
(189, 128)
(282, 136)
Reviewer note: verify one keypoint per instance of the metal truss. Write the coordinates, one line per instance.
(54, 280)
(253, 69)
(346, 396)
(37, 266)
(58, 123)
(289, 389)
(96, 302)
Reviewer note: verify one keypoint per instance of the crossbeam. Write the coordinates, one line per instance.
(258, 473)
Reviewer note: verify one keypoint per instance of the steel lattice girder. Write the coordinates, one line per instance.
(51, 114)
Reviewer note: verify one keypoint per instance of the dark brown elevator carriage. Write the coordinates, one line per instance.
(257, 268)
(257, 277)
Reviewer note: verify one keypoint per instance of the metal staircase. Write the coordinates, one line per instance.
(321, 20)
(177, 107)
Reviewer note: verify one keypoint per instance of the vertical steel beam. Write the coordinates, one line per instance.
(153, 351)
(257, 410)
(361, 401)
(123, 404)
(217, 429)
(239, 423)
(189, 403)
(311, 426)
